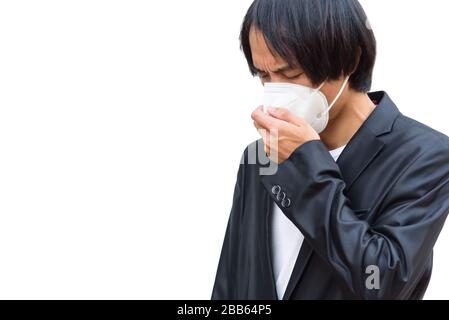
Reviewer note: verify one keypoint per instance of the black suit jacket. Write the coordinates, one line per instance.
(382, 204)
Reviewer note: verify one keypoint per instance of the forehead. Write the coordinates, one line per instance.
(263, 58)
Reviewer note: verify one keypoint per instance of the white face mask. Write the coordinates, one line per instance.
(307, 103)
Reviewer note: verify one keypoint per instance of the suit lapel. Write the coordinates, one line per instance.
(365, 145)
(358, 154)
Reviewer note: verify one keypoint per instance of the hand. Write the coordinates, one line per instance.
(290, 131)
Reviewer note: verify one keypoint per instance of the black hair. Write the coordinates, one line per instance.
(321, 36)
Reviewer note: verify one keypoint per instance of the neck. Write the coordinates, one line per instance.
(351, 114)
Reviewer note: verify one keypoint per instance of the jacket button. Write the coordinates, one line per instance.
(276, 189)
(281, 196)
(286, 203)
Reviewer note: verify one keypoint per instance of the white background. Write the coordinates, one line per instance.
(122, 124)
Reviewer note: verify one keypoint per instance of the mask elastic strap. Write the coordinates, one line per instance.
(321, 85)
(338, 94)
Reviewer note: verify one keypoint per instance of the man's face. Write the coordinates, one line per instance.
(272, 68)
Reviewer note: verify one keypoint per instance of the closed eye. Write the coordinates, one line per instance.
(266, 76)
(295, 77)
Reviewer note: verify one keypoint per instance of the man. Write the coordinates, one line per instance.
(356, 204)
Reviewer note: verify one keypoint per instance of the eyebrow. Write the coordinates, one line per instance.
(278, 70)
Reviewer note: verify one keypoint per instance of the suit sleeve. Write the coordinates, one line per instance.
(398, 242)
(225, 277)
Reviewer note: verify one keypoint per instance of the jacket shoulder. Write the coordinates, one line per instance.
(412, 132)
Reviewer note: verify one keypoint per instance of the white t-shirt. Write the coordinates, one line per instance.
(286, 241)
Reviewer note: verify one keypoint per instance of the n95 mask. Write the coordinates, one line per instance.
(307, 103)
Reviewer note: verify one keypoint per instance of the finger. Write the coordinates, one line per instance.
(267, 147)
(264, 120)
(259, 108)
(285, 115)
(257, 125)
(265, 134)
(260, 130)
(266, 139)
